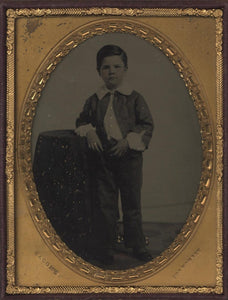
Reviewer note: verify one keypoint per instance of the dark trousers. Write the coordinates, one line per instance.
(110, 176)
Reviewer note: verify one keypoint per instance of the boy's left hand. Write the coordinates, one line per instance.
(120, 148)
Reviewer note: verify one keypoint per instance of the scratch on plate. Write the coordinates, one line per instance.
(60, 24)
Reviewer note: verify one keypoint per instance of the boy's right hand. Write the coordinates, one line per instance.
(93, 140)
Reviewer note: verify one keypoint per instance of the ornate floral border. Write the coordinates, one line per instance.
(39, 81)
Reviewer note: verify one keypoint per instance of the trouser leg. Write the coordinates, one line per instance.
(130, 183)
(105, 211)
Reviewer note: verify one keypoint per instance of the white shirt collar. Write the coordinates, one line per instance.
(123, 89)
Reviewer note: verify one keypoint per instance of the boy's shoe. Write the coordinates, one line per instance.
(142, 254)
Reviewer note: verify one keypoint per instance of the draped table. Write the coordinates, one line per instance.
(62, 177)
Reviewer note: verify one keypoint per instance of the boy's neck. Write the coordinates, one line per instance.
(112, 88)
(124, 88)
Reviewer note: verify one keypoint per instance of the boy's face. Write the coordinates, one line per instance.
(112, 71)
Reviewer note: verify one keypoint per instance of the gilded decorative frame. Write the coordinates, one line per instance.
(212, 147)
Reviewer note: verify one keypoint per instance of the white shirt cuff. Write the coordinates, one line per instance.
(135, 141)
(84, 129)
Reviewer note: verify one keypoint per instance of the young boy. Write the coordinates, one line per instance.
(118, 125)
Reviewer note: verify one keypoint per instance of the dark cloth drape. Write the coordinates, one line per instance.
(61, 175)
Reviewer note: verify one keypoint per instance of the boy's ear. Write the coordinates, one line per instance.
(98, 71)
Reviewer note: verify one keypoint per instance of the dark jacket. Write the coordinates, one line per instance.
(131, 111)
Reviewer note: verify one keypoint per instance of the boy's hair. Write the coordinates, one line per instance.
(110, 50)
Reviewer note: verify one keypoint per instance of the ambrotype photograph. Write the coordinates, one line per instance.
(114, 151)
